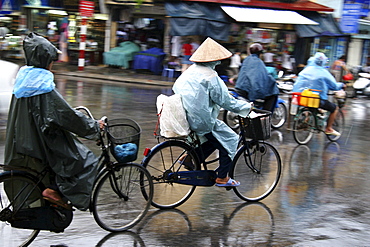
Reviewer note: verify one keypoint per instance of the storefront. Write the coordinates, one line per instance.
(143, 24)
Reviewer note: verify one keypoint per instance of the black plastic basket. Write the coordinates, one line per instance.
(258, 128)
(123, 131)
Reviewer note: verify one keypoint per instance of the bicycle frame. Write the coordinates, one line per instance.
(315, 113)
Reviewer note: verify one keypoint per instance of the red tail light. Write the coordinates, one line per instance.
(146, 151)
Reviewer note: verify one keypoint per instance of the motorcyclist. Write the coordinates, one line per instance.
(254, 81)
(316, 76)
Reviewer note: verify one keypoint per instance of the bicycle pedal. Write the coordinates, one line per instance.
(228, 188)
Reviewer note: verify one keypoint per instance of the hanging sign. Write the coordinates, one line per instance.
(6, 7)
(350, 16)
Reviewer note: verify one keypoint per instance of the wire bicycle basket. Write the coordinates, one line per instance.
(257, 125)
(124, 138)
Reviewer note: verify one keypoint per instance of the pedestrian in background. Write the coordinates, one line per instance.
(187, 51)
(338, 67)
(268, 58)
(287, 62)
(234, 66)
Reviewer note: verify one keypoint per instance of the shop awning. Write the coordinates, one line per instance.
(300, 5)
(327, 26)
(241, 14)
(193, 18)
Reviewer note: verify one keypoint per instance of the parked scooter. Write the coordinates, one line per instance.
(285, 82)
(362, 85)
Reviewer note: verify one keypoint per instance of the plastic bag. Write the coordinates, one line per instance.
(172, 116)
(125, 152)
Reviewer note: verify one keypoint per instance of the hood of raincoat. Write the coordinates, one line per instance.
(32, 81)
(39, 52)
(320, 59)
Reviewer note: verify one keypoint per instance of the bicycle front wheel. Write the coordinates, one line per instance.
(338, 125)
(17, 192)
(118, 203)
(162, 164)
(257, 166)
(303, 127)
(279, 116)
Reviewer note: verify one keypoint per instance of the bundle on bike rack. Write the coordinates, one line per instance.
(257, 125)
(124, 137)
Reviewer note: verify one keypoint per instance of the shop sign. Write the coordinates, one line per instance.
(6, 7)
(350, 17)
(86, 8)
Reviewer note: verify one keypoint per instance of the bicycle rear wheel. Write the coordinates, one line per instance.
(338, 125)
(161, 162)
(15, 194)
(303, 127)
(257, 166)
(118, 203)
(278, 118)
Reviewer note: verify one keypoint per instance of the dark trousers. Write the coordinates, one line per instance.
(270, 103)
(208, 147)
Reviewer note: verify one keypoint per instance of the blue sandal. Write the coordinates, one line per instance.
(230, 183)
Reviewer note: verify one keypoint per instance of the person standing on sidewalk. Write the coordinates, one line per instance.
(234, 66)
(338, 67)
(187, 51)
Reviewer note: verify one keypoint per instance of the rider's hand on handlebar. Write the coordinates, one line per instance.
(101, 124)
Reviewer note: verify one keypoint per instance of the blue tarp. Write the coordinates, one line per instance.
(150, 59)
(192, 18)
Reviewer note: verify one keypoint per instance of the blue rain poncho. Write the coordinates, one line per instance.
(203, 94)
(32, 81)
(255, 79)
(316, 76)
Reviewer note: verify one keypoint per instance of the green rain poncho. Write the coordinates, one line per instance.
(39, 134)
(203, 93)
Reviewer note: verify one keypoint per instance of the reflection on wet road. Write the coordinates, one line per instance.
(321, 200)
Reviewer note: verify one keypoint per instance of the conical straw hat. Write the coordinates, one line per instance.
(210, 51)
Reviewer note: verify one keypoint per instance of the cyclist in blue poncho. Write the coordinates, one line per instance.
(203, 93)
(316, 76)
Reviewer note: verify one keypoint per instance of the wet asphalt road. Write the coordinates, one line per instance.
(321, 200)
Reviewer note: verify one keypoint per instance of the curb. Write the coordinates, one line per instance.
(115, 78)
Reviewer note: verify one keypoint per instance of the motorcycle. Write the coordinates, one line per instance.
(362, 85)
(285, 82)
(278, 117)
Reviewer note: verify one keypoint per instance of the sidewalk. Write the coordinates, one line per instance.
(103, 72)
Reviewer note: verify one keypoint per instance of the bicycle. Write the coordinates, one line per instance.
(309, 120)
(120, 199)
(278, 117)
(257, 165)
